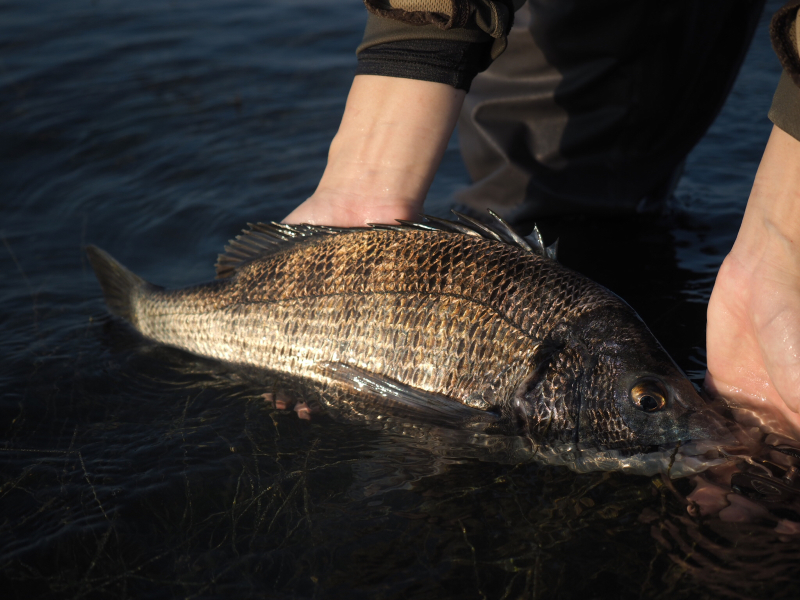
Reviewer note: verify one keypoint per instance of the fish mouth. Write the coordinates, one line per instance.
(677, 461)
(700, 442)
(692, 457)
(708, 425)
(707, 437)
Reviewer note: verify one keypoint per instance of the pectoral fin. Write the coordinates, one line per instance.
(393, 398)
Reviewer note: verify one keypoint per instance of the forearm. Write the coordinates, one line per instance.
(770, 229)
(383, 159)
(392, 138)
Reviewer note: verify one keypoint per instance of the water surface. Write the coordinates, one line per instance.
(157, 130)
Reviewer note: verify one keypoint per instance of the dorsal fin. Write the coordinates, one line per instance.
(263, 239)
(497, 229)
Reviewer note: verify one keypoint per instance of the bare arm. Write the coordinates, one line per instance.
(382, 161)
(753, 333)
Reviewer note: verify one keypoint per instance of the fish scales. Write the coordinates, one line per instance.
(368, 315)
(362, 310)
(494, 326)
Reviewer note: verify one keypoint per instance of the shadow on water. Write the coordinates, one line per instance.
(131, 470)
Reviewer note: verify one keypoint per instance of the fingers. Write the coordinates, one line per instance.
(282, 401)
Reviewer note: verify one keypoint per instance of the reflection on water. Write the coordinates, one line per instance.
(157, 130)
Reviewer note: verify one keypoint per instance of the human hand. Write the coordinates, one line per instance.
(348, 208)
(753, 331)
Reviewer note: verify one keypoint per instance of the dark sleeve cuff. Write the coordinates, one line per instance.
(782, 31)
(454, 63)
(785, 109)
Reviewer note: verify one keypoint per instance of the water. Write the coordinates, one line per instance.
(156, 131)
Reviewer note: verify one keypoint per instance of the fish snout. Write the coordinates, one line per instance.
(710, 427)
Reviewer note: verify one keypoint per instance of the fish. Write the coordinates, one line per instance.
(463, 324)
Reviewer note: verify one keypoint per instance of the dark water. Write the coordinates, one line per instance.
(157, 130)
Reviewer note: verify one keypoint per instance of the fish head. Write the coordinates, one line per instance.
(625, 404)
(637, 401)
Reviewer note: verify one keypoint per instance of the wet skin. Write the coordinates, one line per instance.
(753, 332)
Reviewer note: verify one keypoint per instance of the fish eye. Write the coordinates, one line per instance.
(649, 396)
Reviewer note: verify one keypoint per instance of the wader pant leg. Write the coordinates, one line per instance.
(595, 104)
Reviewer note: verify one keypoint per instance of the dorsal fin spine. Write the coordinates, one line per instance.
(262, 239)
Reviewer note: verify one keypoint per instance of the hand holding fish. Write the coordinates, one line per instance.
(753, 335)
(373, 175)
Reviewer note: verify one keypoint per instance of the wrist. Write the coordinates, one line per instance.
(770, 231)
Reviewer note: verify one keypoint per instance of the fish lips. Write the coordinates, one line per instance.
(686, 417)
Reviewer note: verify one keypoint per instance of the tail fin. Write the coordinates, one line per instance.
(120, 286)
